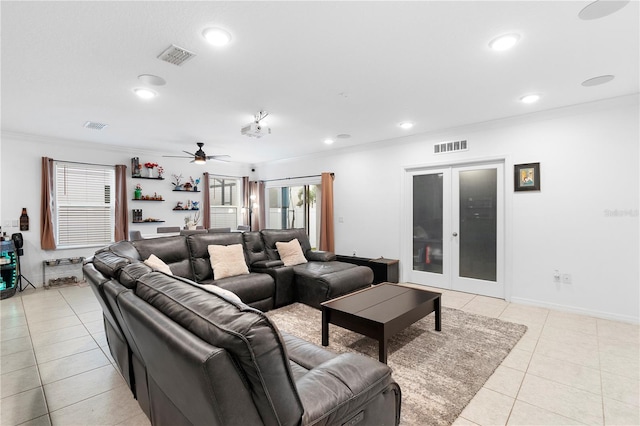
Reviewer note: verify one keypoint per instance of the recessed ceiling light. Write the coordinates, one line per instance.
(405, 125)
(601, 8)
(328, 141)
(153, 80)
(217, 36)
(145, 93)
(504, 42)
(529, 99)
(595, 81)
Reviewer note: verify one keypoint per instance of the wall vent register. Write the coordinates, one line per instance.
(445, 147)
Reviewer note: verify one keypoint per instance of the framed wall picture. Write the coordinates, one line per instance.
(527, 177)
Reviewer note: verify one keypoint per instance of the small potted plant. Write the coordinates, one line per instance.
(137, 194)
(177, 186)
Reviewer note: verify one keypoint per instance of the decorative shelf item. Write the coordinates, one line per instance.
(190, 205)
(153, 170)
(184, 190)
(137, 217)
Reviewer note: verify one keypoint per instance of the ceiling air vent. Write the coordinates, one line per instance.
(94, 125)
(444, 147)
(176, 55)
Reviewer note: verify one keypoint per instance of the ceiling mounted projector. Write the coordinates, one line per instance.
(255, 129)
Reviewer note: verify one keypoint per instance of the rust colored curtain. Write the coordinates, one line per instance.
(121, 229)
(47, 239)
(245, 200)
(326, 213)
(206, 203)
(257, 213)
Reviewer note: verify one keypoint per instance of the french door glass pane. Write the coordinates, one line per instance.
(427, 222)
(478, 224)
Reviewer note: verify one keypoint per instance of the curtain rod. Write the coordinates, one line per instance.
(82, 162)
(296, 177)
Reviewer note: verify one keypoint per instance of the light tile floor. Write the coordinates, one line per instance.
(568, 369)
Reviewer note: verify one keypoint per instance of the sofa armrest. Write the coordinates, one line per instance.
(262, 264)
(283, 277)
(346, 387)
(320, 256)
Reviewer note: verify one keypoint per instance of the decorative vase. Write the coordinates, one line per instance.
(137, 194)
(150, 171)
(195, 188)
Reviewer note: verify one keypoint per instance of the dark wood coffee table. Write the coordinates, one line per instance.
(380, 312)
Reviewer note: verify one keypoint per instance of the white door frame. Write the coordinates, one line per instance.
(406, 224)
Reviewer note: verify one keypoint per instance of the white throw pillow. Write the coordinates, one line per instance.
(155, 263)
(291, 253)
(212, 288)
(227, 261)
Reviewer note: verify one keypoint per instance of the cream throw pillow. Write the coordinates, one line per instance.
(227, 261)
(155, 263)
(291, 252)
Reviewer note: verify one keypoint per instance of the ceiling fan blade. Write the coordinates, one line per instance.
(218, 157)
(177, 156)
(189, 153)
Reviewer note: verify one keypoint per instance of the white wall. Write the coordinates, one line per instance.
(589, 165)
(589, 159)
(20, 158)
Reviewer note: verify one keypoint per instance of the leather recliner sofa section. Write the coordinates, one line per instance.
(118, 269)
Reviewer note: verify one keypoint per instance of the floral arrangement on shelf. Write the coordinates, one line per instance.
(177, 180)
(160, 171)
(191, 222)
(150, 165)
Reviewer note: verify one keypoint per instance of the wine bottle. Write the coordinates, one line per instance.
(24, 220)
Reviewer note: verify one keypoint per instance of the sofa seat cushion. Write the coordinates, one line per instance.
(249, 288)
(317, 282)
(247, 334)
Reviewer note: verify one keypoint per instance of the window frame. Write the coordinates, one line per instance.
(58, 204)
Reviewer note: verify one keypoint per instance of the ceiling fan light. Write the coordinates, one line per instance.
(200, 160)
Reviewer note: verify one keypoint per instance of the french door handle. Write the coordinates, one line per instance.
(455, 234)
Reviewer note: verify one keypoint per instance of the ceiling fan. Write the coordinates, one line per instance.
(199, 157)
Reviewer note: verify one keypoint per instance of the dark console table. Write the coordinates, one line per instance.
(384, 270)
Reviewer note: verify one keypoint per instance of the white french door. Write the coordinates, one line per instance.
(457, 222)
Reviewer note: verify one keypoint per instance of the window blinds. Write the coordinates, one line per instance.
(84, 201)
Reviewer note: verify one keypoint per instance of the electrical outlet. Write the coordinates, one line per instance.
(556, 276)
(566, 278)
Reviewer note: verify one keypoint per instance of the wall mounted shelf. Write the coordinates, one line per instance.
(183, 190)
(147, 177)
(150, 221)
(142, 199)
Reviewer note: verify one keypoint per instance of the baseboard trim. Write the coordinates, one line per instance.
(575, 310)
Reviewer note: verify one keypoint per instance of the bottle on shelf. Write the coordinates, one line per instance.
(24, 220)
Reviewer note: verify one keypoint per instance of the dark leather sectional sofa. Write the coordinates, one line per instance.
(193, 354)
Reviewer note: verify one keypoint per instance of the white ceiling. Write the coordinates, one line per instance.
(319, 68)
